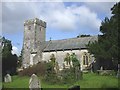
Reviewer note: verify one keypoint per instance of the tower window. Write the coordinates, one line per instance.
(29, 27)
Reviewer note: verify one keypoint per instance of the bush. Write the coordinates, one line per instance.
(68, 76)
(38, 69)
(50, 74)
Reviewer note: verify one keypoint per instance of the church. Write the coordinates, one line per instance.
(36, 49)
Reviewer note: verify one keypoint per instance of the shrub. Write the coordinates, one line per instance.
(38, 69)
(50, 74)
(68, 76)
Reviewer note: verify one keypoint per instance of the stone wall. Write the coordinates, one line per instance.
(60, 55)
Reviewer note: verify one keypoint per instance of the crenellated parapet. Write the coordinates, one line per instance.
(35, 21)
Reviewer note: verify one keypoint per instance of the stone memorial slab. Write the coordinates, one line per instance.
(7, 78)
(34, 83)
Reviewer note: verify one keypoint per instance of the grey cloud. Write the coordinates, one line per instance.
(14, 15)
(57, 15)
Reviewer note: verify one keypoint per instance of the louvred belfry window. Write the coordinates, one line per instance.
(29, 27)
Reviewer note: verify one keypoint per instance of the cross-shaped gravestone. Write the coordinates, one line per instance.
(34, 83)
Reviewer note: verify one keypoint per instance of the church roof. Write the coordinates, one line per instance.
(68, 44)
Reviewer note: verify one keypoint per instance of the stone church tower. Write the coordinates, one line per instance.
(34, 36)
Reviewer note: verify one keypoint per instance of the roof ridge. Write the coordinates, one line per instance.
(72, 38)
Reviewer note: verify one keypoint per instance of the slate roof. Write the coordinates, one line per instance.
(68, 44)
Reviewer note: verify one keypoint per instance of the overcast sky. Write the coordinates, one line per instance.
(64, 19)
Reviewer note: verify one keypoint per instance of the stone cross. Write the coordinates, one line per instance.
(34, 83)
(7, 78)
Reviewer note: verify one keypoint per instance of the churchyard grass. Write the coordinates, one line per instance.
(89, 81)
(95, 81)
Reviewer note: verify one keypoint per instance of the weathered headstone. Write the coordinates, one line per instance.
(7, 78)
(101, 68)
(34, 83)
(74, 88)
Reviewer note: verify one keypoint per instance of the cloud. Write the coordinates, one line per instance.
(81, 17)
(15, 50)
(100, 7)
(57, 15)
(85, 17)
(77, 18)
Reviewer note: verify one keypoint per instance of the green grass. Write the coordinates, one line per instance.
(89, 81)
(95, 81)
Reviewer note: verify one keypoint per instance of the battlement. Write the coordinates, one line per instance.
(35, 21)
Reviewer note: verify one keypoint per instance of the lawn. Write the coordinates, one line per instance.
(89, 81)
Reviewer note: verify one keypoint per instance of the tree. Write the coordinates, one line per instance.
(74, 60)
(76, 66)
(53, 59)
(67, 59)
(19, 63)
(83, 35)
(9, 61)
(51, 74)
(107, 48)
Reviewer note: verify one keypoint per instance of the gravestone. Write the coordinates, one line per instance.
(74, 88)
(34, 83)
(7, 78)
(101, 68)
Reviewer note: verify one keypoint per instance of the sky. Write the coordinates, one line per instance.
(64, 19)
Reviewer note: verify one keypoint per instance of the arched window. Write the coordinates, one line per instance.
(85, 59)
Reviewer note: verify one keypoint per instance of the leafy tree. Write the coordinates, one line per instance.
(76, 66)
(67, 59)
(6, 48)
(74, 60)
(9, 61)
(53, 59)
(107, 48)
(51, 75)
(83, 35)
(19, 63)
